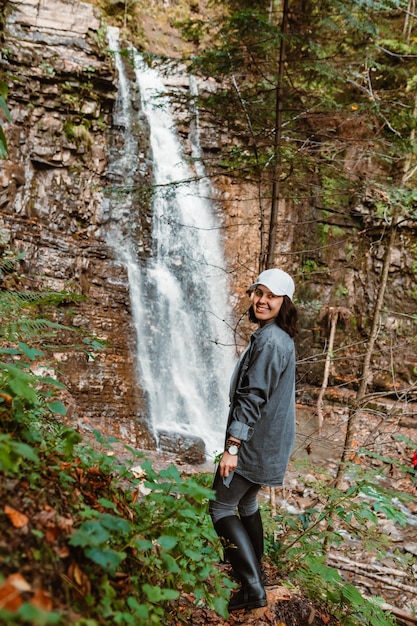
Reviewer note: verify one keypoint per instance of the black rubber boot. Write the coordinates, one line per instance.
(255, 530)
(241, 554)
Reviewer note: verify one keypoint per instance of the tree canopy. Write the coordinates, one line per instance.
(317, 97)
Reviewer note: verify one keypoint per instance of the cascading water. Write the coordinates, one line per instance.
(179, 295)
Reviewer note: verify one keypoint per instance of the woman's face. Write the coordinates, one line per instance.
(266, 305)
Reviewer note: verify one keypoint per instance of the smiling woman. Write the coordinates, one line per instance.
(266, 304)
(260, 432)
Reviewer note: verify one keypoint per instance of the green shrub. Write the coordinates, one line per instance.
(299, 543)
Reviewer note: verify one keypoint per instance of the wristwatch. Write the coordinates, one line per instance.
(232, 448)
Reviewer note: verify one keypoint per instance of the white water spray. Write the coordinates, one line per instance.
(180, 298)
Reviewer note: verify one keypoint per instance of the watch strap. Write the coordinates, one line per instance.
(230, 442)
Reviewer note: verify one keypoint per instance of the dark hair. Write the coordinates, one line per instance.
(287, 318)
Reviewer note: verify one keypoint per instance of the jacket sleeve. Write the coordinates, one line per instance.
(262, 375)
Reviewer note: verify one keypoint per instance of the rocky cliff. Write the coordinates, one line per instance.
(62, 92)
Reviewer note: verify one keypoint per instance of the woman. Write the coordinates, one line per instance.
(260, 432)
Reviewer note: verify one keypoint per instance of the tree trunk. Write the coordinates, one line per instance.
(409, 20)
(270, 256)
(333, 323)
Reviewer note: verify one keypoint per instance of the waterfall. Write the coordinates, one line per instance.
(179, 295)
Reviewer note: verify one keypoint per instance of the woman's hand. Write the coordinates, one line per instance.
(227, 464)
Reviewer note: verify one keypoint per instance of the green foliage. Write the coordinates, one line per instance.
(19, 311)
(167, 545)
(79, 133)
(157, 546)
(335, 191)
(347, 102)
(345, 598)
(341, 291)
(300, 546)
(9, 260)
(6, 113)
(47, 68)
(29, 614)
(14, 453)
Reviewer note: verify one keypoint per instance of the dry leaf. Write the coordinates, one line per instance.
(63, 552)
(19, 582)
(7, 399)
(9, 597)
(51, 534)
(65, 524)
(76, 574)
(17, 519)
(47, 517)
(138, 471)
(10, 592)
(42, 600)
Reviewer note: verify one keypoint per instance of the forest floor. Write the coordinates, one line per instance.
(391, 437)
(385, 432)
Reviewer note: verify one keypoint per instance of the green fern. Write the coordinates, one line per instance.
(38, 297)
(8, 263)
(31, 329)
(18, 312)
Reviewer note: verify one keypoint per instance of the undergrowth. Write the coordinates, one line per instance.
(113, 548)
(301, 543)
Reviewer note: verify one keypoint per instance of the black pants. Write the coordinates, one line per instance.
(241, 494)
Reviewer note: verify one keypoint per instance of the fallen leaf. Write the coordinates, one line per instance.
(10, 590)
(17, 519)
(51, 534)
(47, 517)
(76, 574)
(19, 582)
(9, 597)
(138, 471)
(42, 600)
(63, 552)
(65, 524)
(7, 399)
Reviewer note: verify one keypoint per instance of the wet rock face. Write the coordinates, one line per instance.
(187, 448)
(61, 96)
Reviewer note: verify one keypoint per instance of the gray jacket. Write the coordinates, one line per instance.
(262, 406)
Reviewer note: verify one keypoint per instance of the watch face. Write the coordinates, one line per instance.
(233, 450)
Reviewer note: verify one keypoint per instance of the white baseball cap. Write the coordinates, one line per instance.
(278, 281)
